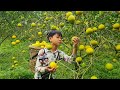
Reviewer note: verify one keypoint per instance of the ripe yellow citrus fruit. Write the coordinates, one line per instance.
(83, 64)
(13, 58)
(93, 42)
(13, 43)
(13, 66)
(89, 50)
(114, 60)
(105, 46)
(78, 59)
(19, 25)
(47, 18)
(39, 33)
(34, 45)
(43, 25)
(37, 44)
(81, 47)
(48, 46)
(78, 12)
(22, 17)
(53, 27)
(44, 42)
(29, 38)
(89, 30)
(33, 24)
(118, 47)
(61, 24)
(71, 18)
(114, 29)
(109, 66)
(17, 41)
(23, 51)
(93, 77)
(53, 65)
(68, 14)
(77, 22)
(51, 18)
(87, 46)
(73, 38)
(42, 46)
(15, 61)
(116, 25)
(16, 64)
(13, 36)
(101, 26)
(94, 28)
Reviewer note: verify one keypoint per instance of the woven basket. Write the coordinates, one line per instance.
(33, 57)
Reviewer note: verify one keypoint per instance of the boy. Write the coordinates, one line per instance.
(45, 56)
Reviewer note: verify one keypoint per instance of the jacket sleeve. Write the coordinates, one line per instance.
(38, 66)
(68, 58)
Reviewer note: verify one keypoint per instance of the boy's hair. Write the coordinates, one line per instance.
(52, 33)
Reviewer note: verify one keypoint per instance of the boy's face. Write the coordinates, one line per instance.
(56, 39)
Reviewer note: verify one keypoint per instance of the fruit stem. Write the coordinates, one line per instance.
(68, 68)
(66, 45)
(87, 68)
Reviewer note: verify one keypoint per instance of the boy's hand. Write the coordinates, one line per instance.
(75, 41)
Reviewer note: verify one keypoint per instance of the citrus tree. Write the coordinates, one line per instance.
(98, 52)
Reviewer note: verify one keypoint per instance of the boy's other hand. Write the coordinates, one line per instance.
(50, 69)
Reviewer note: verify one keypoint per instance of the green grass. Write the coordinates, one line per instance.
(7, 52)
